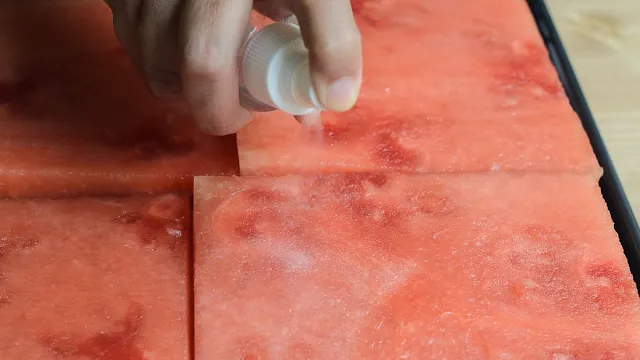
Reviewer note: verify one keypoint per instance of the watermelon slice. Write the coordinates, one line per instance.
(392, 266)
(95, 279)
(448, 86)
(76, 119)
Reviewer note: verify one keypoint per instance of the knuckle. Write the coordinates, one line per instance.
(205, 62)
(163, 89)
(116, 6)
(129, 9)
(308, 4)
(156, 89)
(162, 83)
(120, 25)
(353, 38)
(347, 42)
(311, 5)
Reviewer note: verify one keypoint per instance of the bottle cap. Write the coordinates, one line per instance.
(275, 69)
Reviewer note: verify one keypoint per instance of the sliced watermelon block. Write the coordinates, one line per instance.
(95, 279)
(370, 138)
(76, 119)
(382, 266)
(447, 86)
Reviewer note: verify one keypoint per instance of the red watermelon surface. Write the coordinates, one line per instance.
(95, 279)
(375, 266)
(447, 86)
(75, 118)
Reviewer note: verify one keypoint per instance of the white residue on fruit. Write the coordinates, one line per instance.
(560, 356)
(511, 102)
(529, 284)
(598, 281)
(538, 91)
(174, 232)
(370, 190)
(495, 167)
(378, 215)
(292, 258)
(480, 240)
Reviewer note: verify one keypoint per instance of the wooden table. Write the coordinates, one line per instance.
(602, 38)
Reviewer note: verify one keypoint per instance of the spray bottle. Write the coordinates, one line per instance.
(274, 70)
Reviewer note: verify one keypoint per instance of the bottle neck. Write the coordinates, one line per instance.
(247, 100)
(275, 70)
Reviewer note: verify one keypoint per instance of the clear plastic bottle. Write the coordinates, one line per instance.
(274, 70)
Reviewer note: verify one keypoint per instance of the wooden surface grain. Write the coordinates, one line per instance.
(602, 38)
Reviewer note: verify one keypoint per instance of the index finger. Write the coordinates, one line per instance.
(330, 33)
(212, 33)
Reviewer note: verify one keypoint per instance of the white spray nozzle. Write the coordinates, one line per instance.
(275, 69)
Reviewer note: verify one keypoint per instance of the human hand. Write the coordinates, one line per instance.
(187, 50)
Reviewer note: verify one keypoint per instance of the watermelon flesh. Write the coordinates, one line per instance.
(358, 265)
(447, 86)
(95, 279)
(392, 266)
(77, 120)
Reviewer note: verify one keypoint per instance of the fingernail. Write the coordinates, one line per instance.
(342, 94)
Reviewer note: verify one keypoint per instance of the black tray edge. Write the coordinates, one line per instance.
(621, 212)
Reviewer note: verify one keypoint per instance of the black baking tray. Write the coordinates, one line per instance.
(612, 191)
